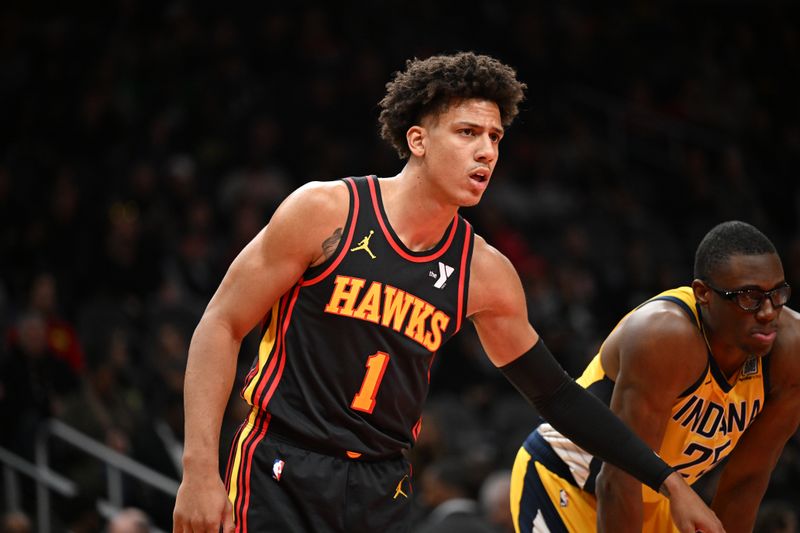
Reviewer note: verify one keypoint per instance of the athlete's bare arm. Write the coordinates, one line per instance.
(301, 233)
(655, 355)
(497, 305)
(748, 470)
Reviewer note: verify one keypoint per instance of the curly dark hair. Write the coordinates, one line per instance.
(431, 86)
(724, 240)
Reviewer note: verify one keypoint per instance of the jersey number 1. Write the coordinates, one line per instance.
(364, 400)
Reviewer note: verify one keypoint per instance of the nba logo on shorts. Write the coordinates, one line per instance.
(562, 498)
(277, 469)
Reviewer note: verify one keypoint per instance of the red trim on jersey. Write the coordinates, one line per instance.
(279, 374)
(276, 354)
(259, 431)
(347, 242)
(231, 455)
(250, 375)
(430, 365)
(464, 266)
(262, 431)
(255, 366)
(240, 480)
(397, 248)
(417, 428)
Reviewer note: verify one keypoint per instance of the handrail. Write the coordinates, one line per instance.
(53, 480)
(105, 454)
(115, 462)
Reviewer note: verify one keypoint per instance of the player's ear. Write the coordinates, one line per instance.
(701, 291)
(416, 137)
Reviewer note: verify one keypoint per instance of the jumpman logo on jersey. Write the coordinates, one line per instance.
(399, 490)
(364, 245)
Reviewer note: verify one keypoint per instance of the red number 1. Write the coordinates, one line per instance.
(364, 400)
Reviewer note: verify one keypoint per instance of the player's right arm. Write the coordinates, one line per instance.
(653, 356)
(262, 272)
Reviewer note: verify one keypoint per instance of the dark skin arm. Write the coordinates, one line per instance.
(747, 473)
(653, 357)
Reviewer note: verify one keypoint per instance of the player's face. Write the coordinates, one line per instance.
(753, 332)
(462, 148)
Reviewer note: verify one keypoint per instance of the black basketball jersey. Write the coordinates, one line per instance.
(344, 361)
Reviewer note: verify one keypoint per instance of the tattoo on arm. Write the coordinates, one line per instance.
(329, 245)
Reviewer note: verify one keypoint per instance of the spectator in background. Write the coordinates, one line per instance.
(495, 502)
(34, 383)
(129, 520)
(15, 522)
(62, 339)
(447, 489)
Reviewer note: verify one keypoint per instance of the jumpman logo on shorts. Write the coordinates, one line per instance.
(399, 490)
(364, 245)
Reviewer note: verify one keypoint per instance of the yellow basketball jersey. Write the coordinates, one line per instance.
(707, 420)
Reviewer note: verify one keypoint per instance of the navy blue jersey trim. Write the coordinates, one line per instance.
(542, 452)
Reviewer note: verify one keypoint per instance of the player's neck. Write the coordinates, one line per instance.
(418, 218)
(729, 358)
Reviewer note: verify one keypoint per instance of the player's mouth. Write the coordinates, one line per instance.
(480, 175)
(765, 336)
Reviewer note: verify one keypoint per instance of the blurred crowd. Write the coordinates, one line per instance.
(144, 143)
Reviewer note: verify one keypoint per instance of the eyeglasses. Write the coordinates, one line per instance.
(752, 299)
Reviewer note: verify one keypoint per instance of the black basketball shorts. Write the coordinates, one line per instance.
(278, 487)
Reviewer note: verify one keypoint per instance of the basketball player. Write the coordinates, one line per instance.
(357, 283)
(701, 373)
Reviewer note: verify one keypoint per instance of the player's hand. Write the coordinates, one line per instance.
(689, 512)
(202, 506)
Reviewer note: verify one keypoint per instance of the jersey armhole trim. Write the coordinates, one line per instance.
(463, 283)
(350, 225)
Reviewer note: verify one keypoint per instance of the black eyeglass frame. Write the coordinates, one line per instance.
(735, 294)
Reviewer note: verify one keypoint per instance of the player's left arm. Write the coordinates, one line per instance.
(748, 470)
(497, 306)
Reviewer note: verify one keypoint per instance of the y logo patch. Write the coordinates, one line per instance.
(444, 272)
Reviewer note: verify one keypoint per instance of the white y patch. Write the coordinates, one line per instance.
(444, 272)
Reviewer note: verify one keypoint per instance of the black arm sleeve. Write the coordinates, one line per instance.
(581, 417)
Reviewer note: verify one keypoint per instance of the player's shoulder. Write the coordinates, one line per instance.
(661, 333)
(322, 194)
(790, 322)
(662, 319)
(788, 339)
(487, 257)
(489, 265)
(786, 350)
(316, 201)
(494, 283)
